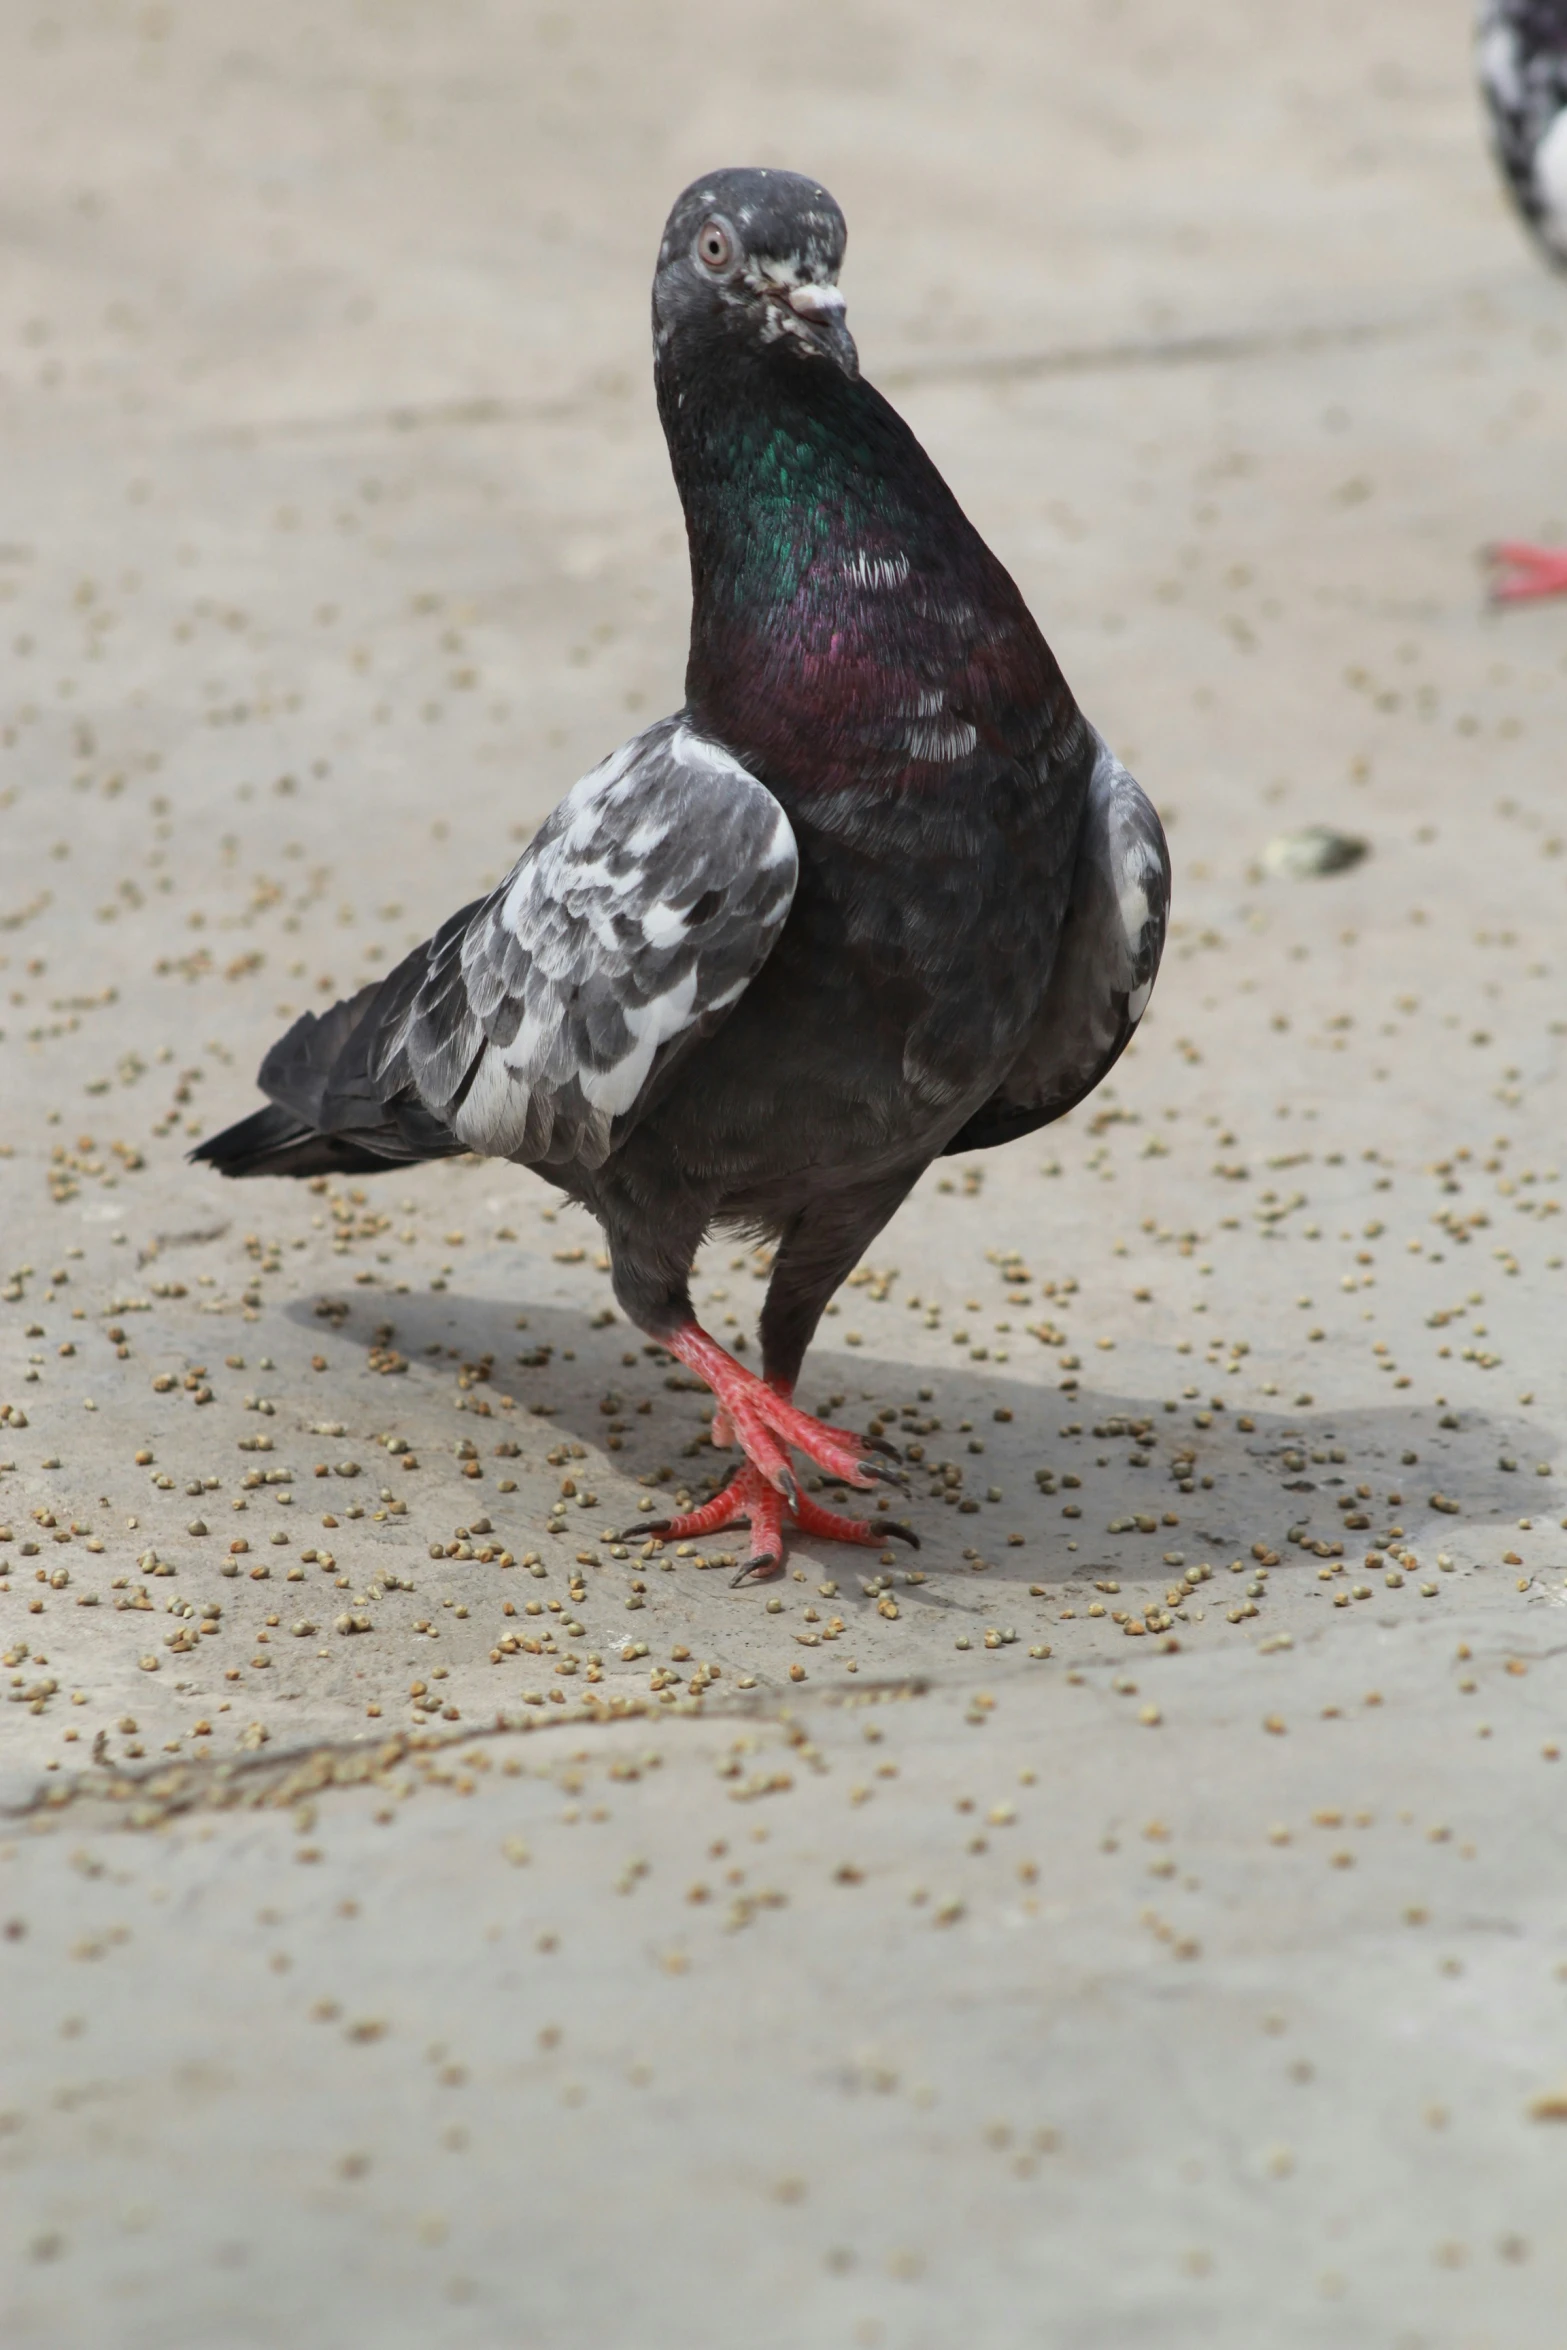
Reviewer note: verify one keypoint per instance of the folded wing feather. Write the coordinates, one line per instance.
(533, 1025)
(1105, 966)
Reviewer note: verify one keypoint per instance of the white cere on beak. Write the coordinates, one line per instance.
(814, 301)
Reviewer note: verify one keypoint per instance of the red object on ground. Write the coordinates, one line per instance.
(767, 1423)
(1525, 573)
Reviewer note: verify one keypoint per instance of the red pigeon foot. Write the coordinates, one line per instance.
(749, 1498)
(1525, 573)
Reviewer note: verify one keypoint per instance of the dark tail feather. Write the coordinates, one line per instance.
(338, 1108)
(302, 1064)
(275, 1142)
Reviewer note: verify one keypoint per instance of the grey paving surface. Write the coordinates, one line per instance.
(426, 1915)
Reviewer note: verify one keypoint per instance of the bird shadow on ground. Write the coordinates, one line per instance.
(1162, 1482)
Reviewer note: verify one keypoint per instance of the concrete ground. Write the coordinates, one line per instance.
(1140, 1918)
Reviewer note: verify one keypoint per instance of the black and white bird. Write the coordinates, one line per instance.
(1521, 55)
(876, 892)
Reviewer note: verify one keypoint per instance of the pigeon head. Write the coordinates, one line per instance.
(753, 256)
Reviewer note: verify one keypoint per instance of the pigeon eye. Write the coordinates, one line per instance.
(715, 246)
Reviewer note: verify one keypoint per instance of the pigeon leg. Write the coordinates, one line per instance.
(767, 1423)
(1524, 573)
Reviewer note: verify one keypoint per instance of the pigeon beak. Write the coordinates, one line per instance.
(817, 301)
(822, 307)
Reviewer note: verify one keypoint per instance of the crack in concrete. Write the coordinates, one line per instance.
(273, 1782)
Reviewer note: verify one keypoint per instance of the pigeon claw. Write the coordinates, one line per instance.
(760, 1567)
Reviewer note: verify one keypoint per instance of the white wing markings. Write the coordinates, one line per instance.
(565, 907)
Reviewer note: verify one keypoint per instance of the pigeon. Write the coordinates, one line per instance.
(1521, 53)
(876, 892)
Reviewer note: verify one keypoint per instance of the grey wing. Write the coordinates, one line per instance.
(1521, 57)
(629, 926)
(1105, 966)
